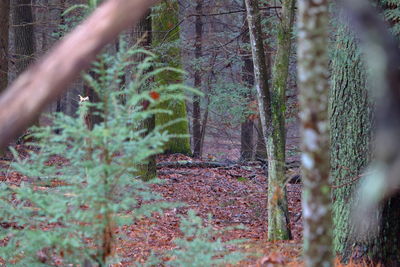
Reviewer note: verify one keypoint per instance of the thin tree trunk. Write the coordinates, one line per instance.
(4, 42)
(196, 131)
(247, 127)
(313, 75)
(143, 31)
(23, 34)
(278, 217)
(260, 67)
(280, 229)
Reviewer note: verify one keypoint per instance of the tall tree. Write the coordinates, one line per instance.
(351, 144)
(23, 34)
(278, 218)
(141, 34)
(351, 129)
(166, 31)
(277, 209)
(196, 130)
(313, 75)
(247, 127)
(4, 29)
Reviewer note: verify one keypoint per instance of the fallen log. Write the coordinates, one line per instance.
(193, 164)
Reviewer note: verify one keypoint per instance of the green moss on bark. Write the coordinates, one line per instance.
(278, 215)
(166, 39)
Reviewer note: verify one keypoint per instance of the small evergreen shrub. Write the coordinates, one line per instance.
(197, 248)
(67, 213)
(83, 182)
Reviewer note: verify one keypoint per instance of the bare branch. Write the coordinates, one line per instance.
(46, 80)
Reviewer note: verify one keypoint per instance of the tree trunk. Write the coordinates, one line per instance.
(143, 31)
(278, 218)
(261, 147)
(196, 131)
(23, 34)
(351, 151)
(279, 230)
(4, 47)
(313, 75)
(166, 29)
(247, 127)
(351, 130)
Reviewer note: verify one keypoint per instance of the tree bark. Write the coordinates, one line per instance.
(4, 47)
(350, 111)
(313, 75)
(143, 32)
(196, 130)
(378, 192)
(280, 229)
(166, 29)
(23, 34)
(278, 217)
(259, 64)
(247, 127)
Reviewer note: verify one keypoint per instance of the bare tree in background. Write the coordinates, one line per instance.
(247, 127)
(23, 34)
(196, 127)
(4, 43)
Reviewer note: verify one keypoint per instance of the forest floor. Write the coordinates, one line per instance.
(232, 195)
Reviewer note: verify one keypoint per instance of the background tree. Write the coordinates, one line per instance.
(247, 127)
(313, 75)
(4, 47)
(278, 216)
(277, 208)
(166, 41)
(24, 40)
(142, 36)
(196, 129)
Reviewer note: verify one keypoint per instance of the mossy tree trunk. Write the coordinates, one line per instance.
(278, 216)
(351, 127)
(4, 47)
(313, 75)
(166, 39)
(350, 123)
(277, 212)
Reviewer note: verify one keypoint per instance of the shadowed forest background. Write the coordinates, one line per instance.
(199, 133)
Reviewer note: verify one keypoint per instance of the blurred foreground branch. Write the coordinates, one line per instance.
(46, 80)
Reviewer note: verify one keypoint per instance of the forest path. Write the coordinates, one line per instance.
(232, 196)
